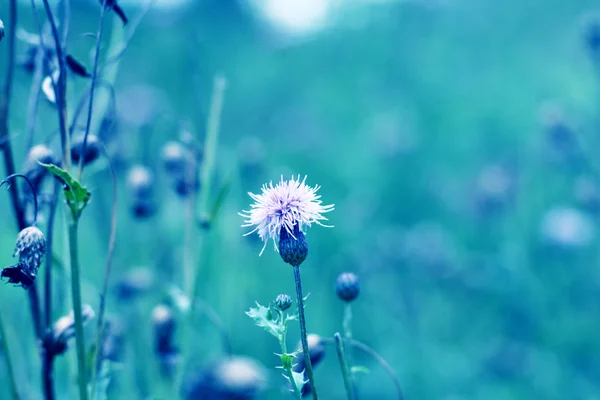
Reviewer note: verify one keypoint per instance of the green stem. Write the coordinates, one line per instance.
(9, 367)
(344, 365)
(347, 321)
(288, 369)
(347, 326)
(300, 299)
(207, 170)
(211, 141)
(76, 293)
(380, 360)
(92, 87)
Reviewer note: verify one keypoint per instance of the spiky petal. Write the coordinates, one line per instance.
(283, 206)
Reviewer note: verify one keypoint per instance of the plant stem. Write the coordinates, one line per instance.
(344, 365)
(207, 169)
(288, 369)
(76, 293)
(92, 87)
(49, 260)
(304, 340)
(48, 357)
(211, 141)
(215, 319)
(60, 89)
(47, 375)
(347, 324)
(9, 163)
(111, 249)
(9, 367)
(380, 360)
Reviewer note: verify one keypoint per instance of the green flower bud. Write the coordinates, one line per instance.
(283, 302)
(293, 249)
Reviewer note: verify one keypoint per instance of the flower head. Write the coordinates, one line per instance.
(283, 206)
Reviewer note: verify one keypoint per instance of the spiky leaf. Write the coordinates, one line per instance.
(76, 194)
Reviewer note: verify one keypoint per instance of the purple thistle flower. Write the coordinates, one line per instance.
(283, 206)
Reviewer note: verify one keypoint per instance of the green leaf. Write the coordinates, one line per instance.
(76, 194)
(299, 379)
(287, 360)
(263, 318)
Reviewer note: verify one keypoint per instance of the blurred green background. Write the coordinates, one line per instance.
(457, 139)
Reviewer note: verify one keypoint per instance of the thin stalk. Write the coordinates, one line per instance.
(48, 357)
(47, 375)
(190, 172)
(344, 365)
(211, 141)
(216, 320)
(9, 366)
(207, 169)
(288, 369)
(9, 164)
(60, 89)
(34, 98)
(92, 88)
(379, 359)
(49, 259)
(347, 324)
(109, 255)
(76, 290)
(300, 299)
(5, 146)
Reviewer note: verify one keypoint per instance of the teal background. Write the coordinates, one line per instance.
(394, 109)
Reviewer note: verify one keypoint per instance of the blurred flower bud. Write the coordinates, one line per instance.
(48, 87)
(235, 378)
(32, 169)
(140, 181)
(135, 282)
(587, 194)
(560, 135)
(592, 35)
(1, 30)
(567, 228)
(164, 328)
(495, 187)
(184, 184)
(316, 350)
(283, 301)
(92, 149)
(31, 248)
(64, 329)
(293, 249)
(347, 286)
(34, 49)
(174, 157)
(143, 208)
(163, 324)
(41, 153)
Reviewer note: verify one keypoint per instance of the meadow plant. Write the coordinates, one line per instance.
(280, 213)
(275, 320)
